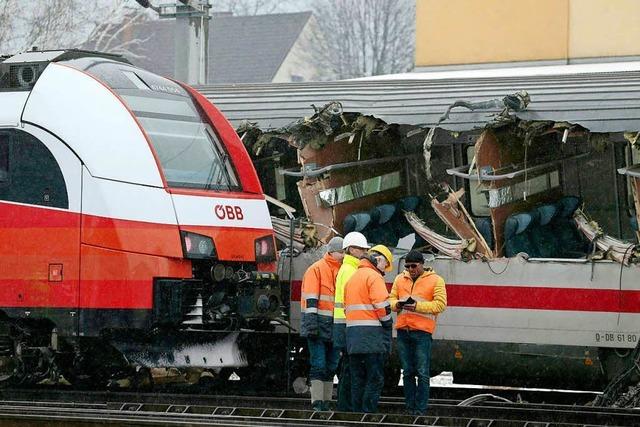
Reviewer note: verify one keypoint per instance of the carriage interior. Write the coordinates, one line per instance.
(543, 189)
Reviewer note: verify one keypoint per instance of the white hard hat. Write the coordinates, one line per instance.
(355, 239)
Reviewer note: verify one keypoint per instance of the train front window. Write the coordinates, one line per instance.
(190, 153)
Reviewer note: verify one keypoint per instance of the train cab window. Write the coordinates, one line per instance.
(29, 171)
(190, 153)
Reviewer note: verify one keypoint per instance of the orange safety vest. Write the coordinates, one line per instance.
(430, 295)
(317, 299)
(367, 310)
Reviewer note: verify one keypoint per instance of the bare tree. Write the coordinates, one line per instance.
(58, 24)
(8, 11)
(251, 7)
(110, 30)
(356, 38)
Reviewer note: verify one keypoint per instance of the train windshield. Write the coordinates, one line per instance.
(190, 153)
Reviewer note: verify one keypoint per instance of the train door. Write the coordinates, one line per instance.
(39, 227)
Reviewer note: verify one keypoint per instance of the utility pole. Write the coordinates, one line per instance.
(191, 39)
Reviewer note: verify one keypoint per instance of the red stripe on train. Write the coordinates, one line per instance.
(533, 298)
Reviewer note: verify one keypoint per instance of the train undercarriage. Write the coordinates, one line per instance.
(210, 323)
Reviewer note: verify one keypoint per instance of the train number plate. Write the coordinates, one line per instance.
(616, 337)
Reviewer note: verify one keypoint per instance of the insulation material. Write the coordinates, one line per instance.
(304, 235)
(617, 250)
(450, 247)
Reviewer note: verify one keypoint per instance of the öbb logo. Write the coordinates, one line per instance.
(228, 212)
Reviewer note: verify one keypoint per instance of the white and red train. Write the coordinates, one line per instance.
(127, 204)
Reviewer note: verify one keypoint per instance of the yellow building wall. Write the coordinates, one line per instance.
(483, 31)
(477, 31)
(604, 28)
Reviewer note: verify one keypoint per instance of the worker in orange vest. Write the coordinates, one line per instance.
(316, 304)
(369, 327)
(418, 295)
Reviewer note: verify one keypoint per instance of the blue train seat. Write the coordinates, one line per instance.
(542, 234)
(485, 227)
(571, 241)
(399, 223)
(381, 230)
(356, 222)
(516, 235)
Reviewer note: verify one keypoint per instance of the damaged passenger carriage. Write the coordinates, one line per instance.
(531, 220)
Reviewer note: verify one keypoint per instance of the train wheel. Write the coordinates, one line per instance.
(25, 357)
(8, 361)
(615, 361)
(11, 370)
(95, 364)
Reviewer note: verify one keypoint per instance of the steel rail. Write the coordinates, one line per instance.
(154, 409)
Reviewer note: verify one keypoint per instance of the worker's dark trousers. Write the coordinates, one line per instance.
(323, 358)
(367, 380)
(343, 403)
(414, 349)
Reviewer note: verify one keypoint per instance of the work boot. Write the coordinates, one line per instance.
(317, 393)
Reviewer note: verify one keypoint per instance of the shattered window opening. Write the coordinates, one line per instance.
(356, 190)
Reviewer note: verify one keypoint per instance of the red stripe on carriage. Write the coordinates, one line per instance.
(532, 298)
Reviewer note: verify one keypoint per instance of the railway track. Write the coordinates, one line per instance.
(65, 408)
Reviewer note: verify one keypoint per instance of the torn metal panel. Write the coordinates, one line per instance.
(453, 213)
(633, 173)
(450, 247)
(612, 248)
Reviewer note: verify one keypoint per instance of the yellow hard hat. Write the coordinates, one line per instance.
(382, 249)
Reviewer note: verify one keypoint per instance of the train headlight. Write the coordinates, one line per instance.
(197, 246)
(265, 249)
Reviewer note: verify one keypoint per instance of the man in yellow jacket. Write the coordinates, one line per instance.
(369, 326)
(355, 246)
(316, 304)
(418, 295)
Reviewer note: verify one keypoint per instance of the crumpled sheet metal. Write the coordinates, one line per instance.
(450, 247)
(614, 249)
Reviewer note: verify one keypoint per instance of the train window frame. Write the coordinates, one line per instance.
(632, 158)
(356, 190)
(478, 196)
(180, 111)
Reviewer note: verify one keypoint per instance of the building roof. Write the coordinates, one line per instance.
(242, 49)
(602, 98)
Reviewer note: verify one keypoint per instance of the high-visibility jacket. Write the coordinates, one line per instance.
(430, 295)
(317, 300)
(348, 269)
(367, 309)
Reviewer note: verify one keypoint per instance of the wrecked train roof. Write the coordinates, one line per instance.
(601, 98)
